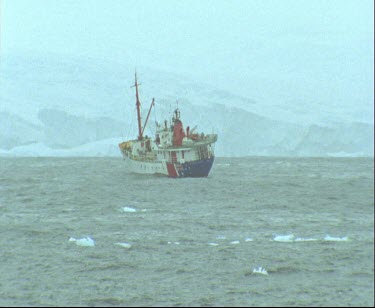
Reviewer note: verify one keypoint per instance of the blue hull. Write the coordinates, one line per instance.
(195, 169)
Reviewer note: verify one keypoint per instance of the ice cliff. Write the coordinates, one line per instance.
(61, 106)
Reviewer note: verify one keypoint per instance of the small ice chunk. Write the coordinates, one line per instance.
(284, 238)
(124, 245)
(129, 209)
(301, 239)
(260, 270)
(235, 242)
(86, 241)
(335, 239)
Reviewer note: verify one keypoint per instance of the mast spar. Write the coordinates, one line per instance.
(138, 104)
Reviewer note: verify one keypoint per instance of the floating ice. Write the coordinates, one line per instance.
(86, 241)
(335, 239)
(125, 245)
(129, 209)
(260, 270)
(284, 238)
(301, 239)
(235, 242)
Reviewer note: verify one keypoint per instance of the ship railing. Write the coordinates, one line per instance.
(147, 157)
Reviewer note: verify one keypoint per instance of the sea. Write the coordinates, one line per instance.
(258, 231)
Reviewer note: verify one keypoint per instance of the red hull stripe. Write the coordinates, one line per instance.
(171, 170)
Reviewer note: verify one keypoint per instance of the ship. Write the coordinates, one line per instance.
(174, 151)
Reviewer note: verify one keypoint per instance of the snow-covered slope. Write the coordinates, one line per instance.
(77, 106)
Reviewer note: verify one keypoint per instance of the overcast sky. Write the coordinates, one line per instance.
(316, 51)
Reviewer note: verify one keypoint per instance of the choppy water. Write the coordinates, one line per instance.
(193, 242)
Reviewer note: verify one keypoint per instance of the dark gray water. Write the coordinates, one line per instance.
(194, 242)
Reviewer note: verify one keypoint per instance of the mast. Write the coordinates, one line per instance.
(138, 104)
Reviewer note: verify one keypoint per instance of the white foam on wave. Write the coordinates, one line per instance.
(221, 237)
(124, 245)
(213, 244)
(249, 239)
(336, 239)
(284, 238)
(86, 241)
(260, 270)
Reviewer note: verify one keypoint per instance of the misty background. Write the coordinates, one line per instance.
(293, 78)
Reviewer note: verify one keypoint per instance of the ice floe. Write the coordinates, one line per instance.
(235, 242)
(290, 238)
(124, 245)
(260, 270)
(284, 238)
(302, 239)
(129, 209)
(336, 239)
(86, 241)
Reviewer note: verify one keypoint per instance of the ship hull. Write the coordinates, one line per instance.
(194, 169)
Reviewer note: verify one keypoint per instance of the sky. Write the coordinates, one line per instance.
(294, 53)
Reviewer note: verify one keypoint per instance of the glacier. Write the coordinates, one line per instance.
(56, 106)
